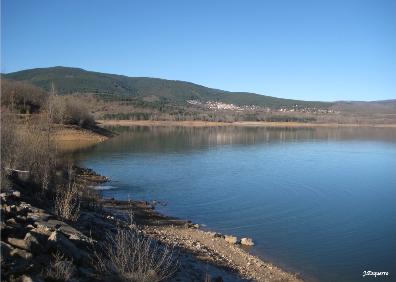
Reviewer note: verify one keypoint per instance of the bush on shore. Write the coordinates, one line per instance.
(22, 97)
(132, 257)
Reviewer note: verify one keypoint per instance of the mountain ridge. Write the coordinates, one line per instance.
(68, 80)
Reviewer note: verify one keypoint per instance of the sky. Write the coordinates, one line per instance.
(310, 50)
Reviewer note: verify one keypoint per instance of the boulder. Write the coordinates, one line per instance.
(58, 241)
(21, 218)
(5, 250)
(30, 243)
(247, 242)
(231, 239)
(38, 216)
(65, 228)
(11, 221)
(21, 253)
(18, 243)
(33, 243)
(41, 230)
(10, 209)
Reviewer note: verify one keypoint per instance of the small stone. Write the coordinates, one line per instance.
(16, 194)
(231, 239)
(247, 242)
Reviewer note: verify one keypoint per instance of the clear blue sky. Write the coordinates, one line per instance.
(311, 50)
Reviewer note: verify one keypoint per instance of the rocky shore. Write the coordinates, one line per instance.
(226, 253)
(32, 239)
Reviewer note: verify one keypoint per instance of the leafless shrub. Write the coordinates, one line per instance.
(9, 144)
(77, 113)
(133, 257)
(67, 200)
(22, 97)
(38, 152)
(26, 145)
(60, 268)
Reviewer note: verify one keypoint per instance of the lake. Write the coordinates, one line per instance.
(319, 201)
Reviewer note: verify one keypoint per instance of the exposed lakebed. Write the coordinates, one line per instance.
(320, 201)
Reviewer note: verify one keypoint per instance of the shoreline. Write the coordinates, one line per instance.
(198, 249)
(206, 246)
(237, 124)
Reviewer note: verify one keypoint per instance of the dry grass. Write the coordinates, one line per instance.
(132, 257)
(60, 269)
(67, 202)
(67, 199)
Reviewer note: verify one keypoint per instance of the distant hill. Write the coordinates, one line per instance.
(75, 80)
(384, 106)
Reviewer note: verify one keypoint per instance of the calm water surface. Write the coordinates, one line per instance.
(321, 202)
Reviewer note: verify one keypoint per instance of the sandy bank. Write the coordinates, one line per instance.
(239, 123)
(69, 138)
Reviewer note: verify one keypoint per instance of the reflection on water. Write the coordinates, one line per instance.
(178, 139)
(317, 200)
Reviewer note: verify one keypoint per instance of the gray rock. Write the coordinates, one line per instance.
(59, 241)
(217, 235)
(2, 225)
(39, 216)
(12, 221)
(25, 278)
(231, 239)
(18, 243)
(30, 243)
(247, 242)
(66, 229)
(41, 230)
(5, 250)
(21, 253)
(25, 205)
(10, 209)
(33, 243)
(16, 194)
(21, 218)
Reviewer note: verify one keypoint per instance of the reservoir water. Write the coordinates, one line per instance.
(318, 201)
